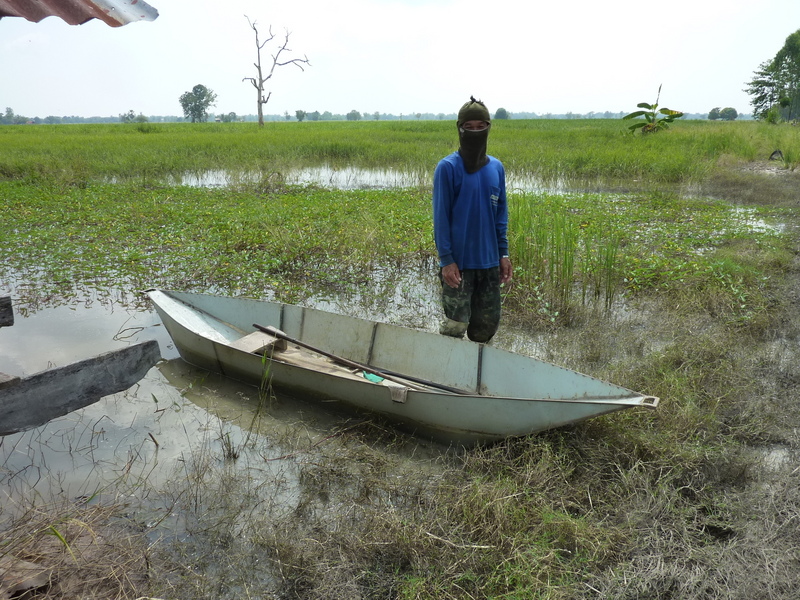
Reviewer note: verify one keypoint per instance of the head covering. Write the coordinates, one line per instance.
(472, 146)
(474, 110)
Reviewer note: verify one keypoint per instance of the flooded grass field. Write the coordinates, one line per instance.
(189, 485)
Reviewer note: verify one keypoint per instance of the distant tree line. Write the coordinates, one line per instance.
(724, 114)
(132, 117)
(10, 118)
(501, 113)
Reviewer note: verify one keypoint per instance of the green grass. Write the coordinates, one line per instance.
(132, 235)
(577, 250)
(573, 149)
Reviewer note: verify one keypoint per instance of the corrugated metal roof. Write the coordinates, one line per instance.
(77, 12)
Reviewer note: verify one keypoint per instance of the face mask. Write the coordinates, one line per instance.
(473, 148)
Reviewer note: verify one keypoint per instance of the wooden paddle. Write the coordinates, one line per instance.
(396, 377)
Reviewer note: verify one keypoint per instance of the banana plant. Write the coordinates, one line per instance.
(653, 122)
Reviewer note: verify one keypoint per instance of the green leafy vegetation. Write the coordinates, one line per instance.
(652, 121)
(196, 103)
(137, 236)
(578, 250)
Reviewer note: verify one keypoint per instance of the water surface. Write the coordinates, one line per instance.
(174, 415)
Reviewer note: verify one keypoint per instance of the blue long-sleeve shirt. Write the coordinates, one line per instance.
(470, 213)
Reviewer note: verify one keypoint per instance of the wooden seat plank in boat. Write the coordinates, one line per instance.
(259, 342)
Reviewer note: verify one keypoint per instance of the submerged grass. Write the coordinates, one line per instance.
(208, 238)
(687, 297)
(571, 252)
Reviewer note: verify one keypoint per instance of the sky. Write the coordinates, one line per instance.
(399, 56)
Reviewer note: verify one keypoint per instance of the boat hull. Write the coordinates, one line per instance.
(502, 394)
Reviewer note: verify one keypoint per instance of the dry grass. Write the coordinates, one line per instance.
(74, 552)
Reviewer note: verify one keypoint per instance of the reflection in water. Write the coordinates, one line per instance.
(56, 336)
(200, 460)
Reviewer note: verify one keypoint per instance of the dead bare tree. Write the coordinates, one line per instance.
(259, 81)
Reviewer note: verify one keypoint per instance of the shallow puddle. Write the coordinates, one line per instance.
(356, 178)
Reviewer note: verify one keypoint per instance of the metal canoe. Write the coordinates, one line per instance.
(504, 393)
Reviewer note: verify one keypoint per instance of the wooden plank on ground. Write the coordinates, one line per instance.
(35, 400)
(6, 312)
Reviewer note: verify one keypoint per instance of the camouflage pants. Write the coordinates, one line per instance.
(474, 306)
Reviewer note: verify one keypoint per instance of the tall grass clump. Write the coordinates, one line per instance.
(589, 251)
(563, 258)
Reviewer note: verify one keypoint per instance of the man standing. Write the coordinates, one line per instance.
(470, 219)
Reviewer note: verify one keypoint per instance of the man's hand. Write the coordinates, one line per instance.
(451, 275)
(506, 270)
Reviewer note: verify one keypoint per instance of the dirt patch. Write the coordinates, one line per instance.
(763, 182)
